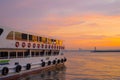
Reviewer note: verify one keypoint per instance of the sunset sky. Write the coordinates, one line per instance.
(79, 23)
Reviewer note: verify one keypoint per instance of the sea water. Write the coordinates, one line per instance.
(84, 66)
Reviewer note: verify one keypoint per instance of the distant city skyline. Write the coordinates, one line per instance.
(79, 23)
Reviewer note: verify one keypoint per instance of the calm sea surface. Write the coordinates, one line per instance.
(84, 66)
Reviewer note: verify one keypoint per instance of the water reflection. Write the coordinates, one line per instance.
(53, 74)
(93, 66)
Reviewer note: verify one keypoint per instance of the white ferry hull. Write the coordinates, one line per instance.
(35, 62)
(22, 52)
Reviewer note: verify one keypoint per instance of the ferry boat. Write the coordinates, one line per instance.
(22, 51)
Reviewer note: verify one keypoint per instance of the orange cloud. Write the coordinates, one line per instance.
(96, 30)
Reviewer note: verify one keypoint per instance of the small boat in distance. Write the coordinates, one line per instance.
(22, 52)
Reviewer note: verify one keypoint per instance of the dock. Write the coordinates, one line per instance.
(105, 51)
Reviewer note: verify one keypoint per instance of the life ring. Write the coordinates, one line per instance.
(17, 44)
(49, 62)
(58, 61)
(29, 45)
(43, 64)
(34, 45)
(18, 68)
(23, 44)
(5, 71)
(28, 66)
(38, 45)
(54, 61)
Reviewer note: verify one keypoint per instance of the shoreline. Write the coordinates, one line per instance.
(105, 51)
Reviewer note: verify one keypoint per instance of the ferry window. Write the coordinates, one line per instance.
(26, 54)
(42, 53)
(49, 41)
(30, 37)
(18, 36)
(58, 53)
(40, 39)
(54, 53)
(44, 40)
(34, 38)
(3, 55)
(12, 54)
(60, 42)
(24, 36)
(10, 35)
(1, 30)
(20, 55)
(46, 53)
(57, 42)
(37, 38)
(49, 53)
(37, 54)
(32, 54)
(53, 41)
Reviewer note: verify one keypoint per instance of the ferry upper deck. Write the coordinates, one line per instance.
(12, 38)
